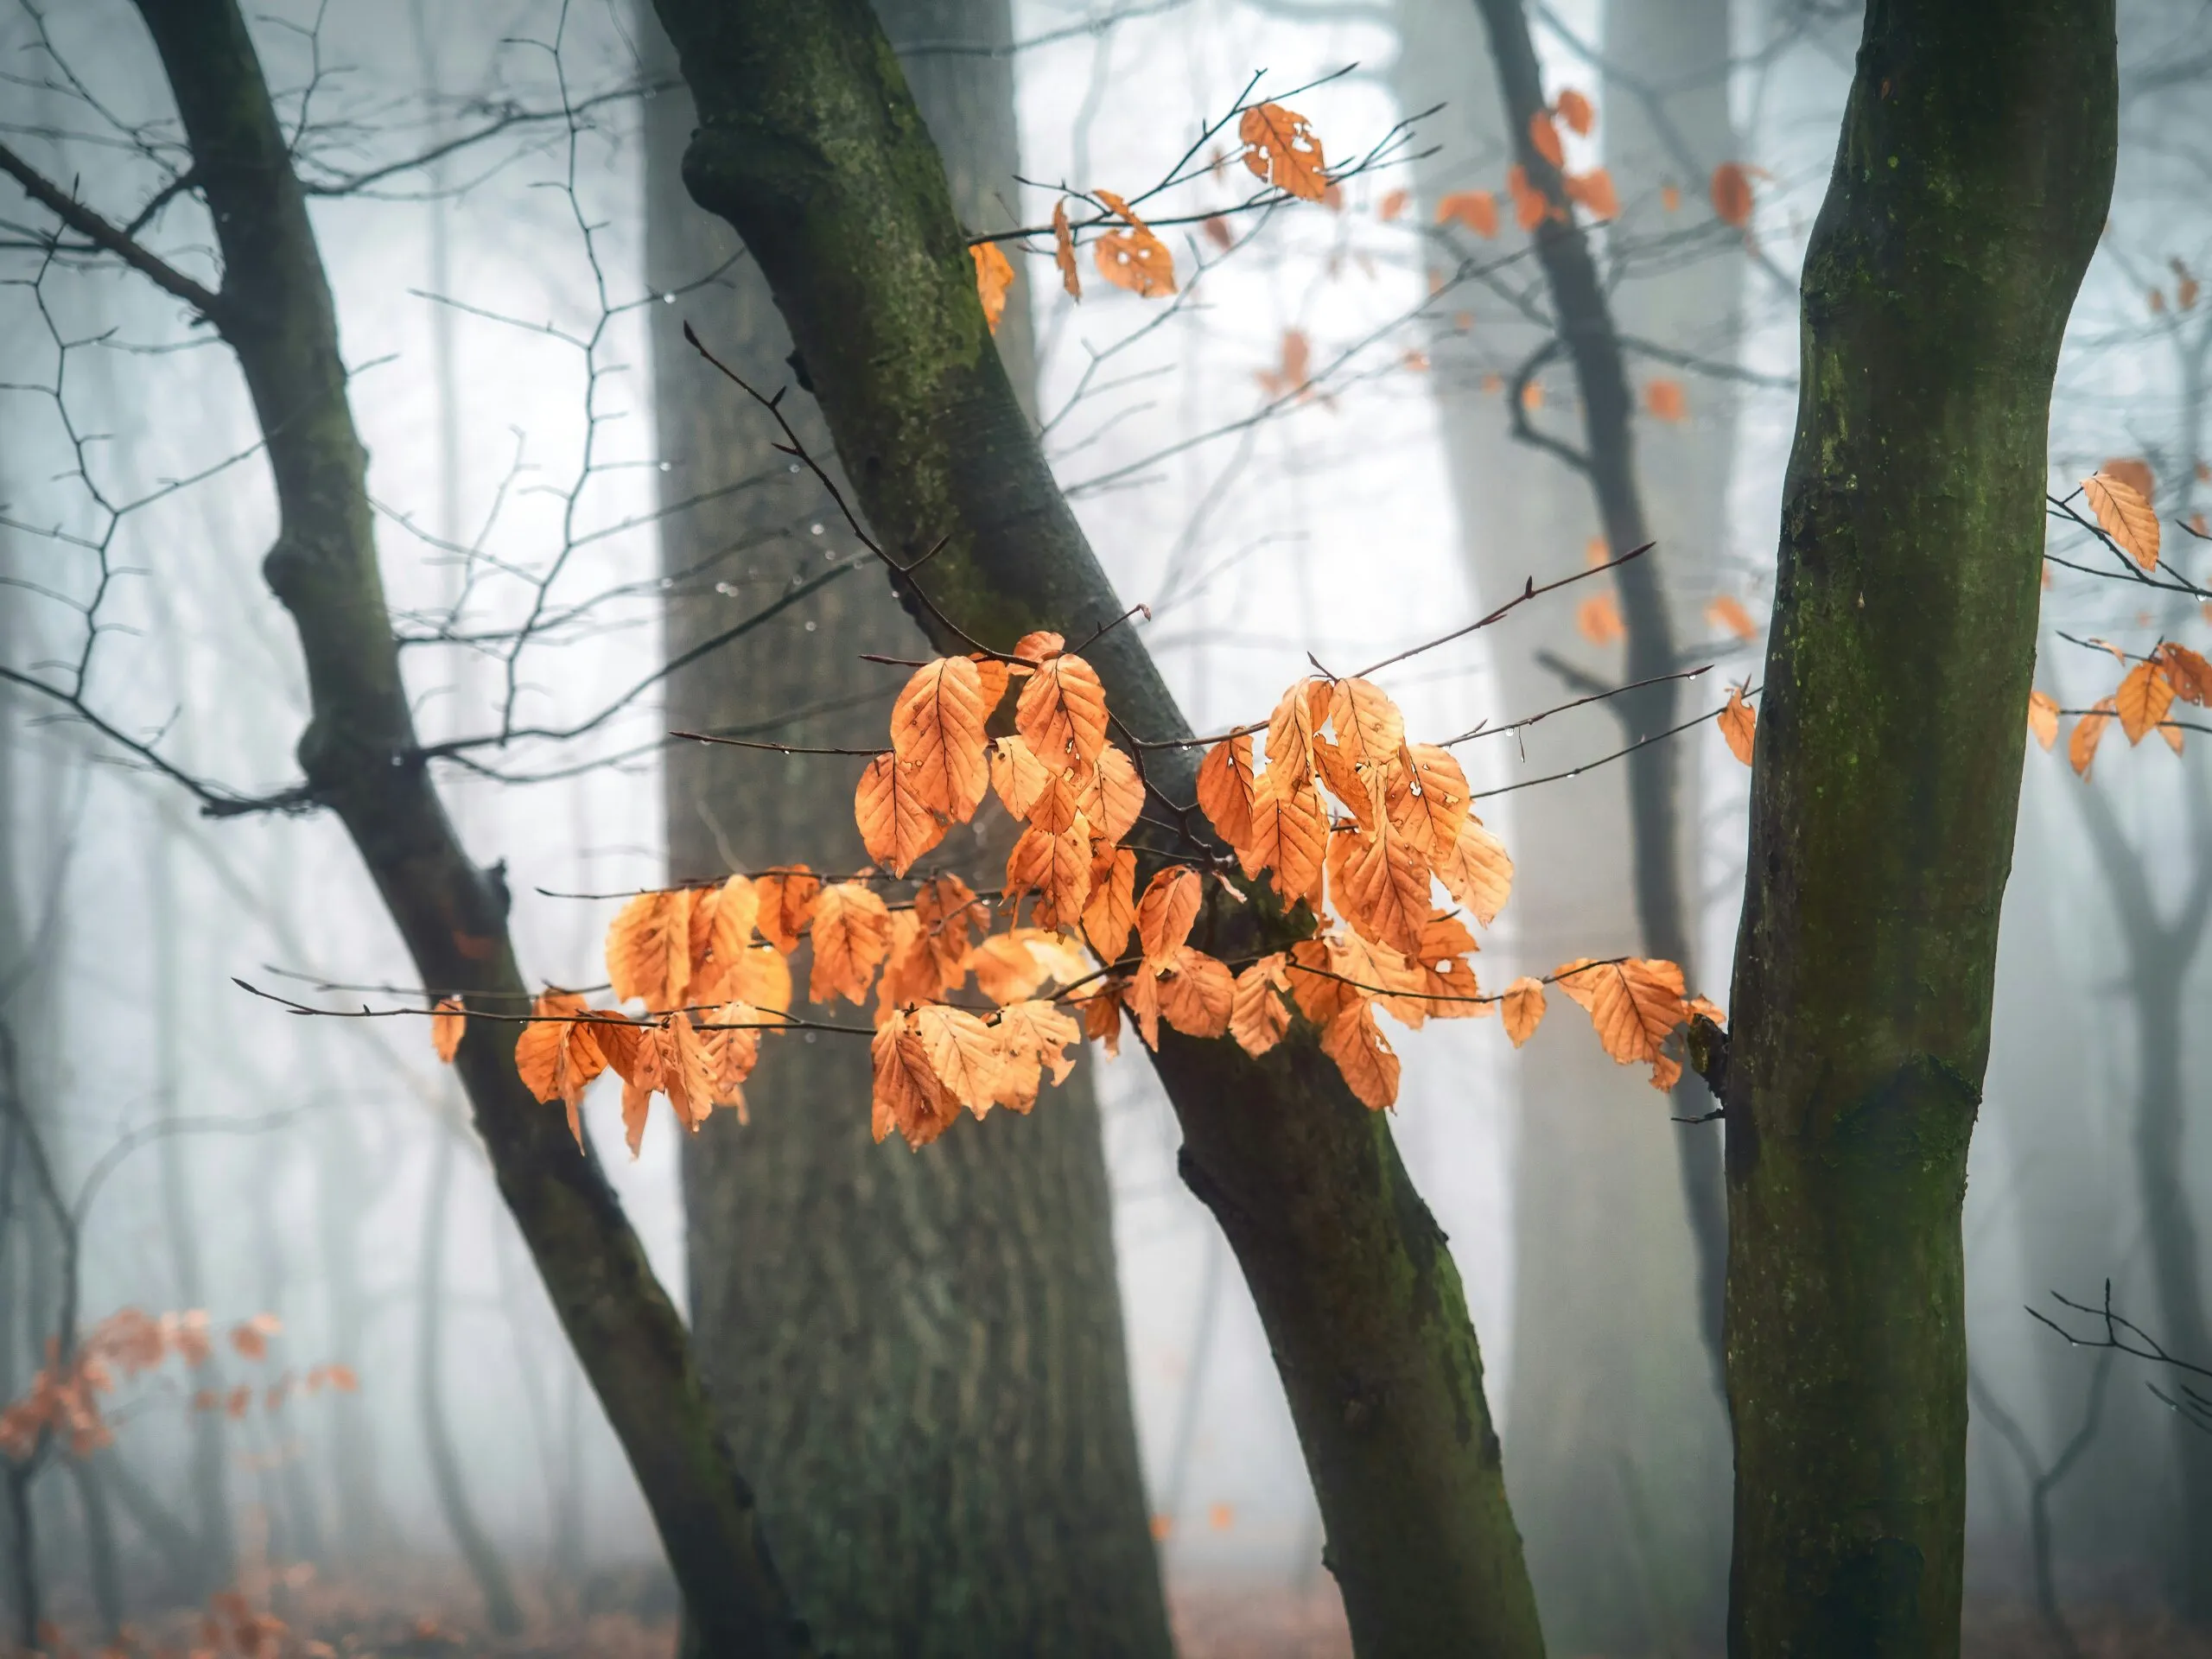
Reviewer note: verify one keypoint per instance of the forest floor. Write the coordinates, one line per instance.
(298, 1615)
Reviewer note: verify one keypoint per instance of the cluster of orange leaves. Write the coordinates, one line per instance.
(1345, 815)
(2119, 493)
(63, 1398)
(1278, 146)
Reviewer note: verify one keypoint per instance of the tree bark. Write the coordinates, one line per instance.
(1614, 1410)
(809, 144)
(1970, 179)
(361, 759)
(931, 1397)
(2160, 955)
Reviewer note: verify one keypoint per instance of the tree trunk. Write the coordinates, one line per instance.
(931, 1397)
(1970, 183)
(1617, 1430)
(809, 144)
(447, 1479)
(362, 760)
(2160, 954)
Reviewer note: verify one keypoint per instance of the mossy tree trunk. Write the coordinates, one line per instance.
(919, 1359)
(809, 144)
(362, 761)
(1970, 183)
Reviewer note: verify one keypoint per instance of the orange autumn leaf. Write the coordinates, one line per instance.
(1426, 797)
(1225, 788)
(250, 1338)
(1385, 888)
(1196, 993)
(1476, 209)
(1113, 795)
(964, 1053)
(722, 920)
(1063, 250)
(993, 276)
(1594, 192)
(2144, 696)
(648, 949)
(1032, 1039)
(2135, 472)
(1280, 147)
(1369, 728)
(729, 1037)
(1633, 1004)
(787, 898)
(1165, 913)
(1529, 206)
(1111, 911)
(1476, 871)
(1133, 258)
(1575, 109)
(1544, 139)
(557, 1055)
(1292, 726)
(1727, 612)
(1258, 1016)
(1599, 620)
(1369, 1066)
(1663, 400)
(895, 824)
(1289, 831)
(685, 1071)
(852, 936)
(1738, 723)
(1523, 1009)
(448, 1022)
(908, 1094)
(2125, 515)
(1062, 713)
(1393, 204)
(2043, 717)
(1057, 867)
(1292, 375)
(2187, 671)
(1670, 197)
(937, 732)
(1019, 778)
(1731, 193)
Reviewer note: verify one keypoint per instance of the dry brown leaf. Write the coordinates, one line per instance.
(852, 936)
(1524, 1008)
(2126, 516)
(1113, 796)
(2144, 696)
(1599, 620)
(1727, 612)
(1289, 831)
(648, 949)
(908, 1096)
(1032, 1037)
(1063, 250)
(1369, 728)
(2187, 671)
(964, 1053)
(1018, 776)
(1385, 889)
(896, 824)
(731, 1037)
(1731, 193)
(1196, 993)
(1135, 258)
(1167, 913)
(448, 1024)
(723, 921)
(1369, 1066)
(788, 896)
(686, 1072)
(993, 276)
(1225, 788)
(1258, 1016)
(1477, 872)
(1291, 727)
(1476, 209)
(1102, 1017)
(1665, 400)
(1057, 867)
(1111, 911)
(1738, 723)
(1280, 147)
(937, 732)
(2042, 718)
(1633, 1004)
(2135, 472)
(1427, 797)
(1140, 996)
(557, 1054)
(1544, 139)
(1062, 713)
(2088, 731)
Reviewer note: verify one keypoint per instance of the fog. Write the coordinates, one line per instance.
(169, 908)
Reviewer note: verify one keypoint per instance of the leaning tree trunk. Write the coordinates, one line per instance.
(931, 1396)
(362, 761)
(1970, 184)
(811, 145)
